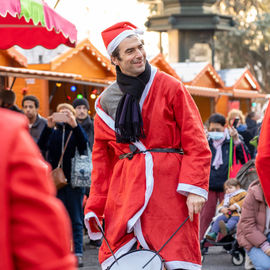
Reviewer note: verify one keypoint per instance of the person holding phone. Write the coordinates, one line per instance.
(53, 137)
(237, 119)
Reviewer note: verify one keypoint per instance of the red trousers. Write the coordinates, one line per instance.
(209, 210)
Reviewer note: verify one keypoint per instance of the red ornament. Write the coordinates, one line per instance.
(24, 91)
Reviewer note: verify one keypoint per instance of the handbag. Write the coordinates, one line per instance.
(234, 165)
(81, 169)
(59, 178)
(57, 174)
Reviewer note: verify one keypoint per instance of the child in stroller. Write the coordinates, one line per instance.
(225, 222)
(230, 208)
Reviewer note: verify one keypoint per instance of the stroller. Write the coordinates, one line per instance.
(246, 175)
(228, 242)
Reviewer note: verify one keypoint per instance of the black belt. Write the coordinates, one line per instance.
(157, 150)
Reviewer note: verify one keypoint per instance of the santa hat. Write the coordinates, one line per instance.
(115, 34)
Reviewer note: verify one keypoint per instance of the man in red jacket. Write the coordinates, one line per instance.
(35, 232)
(142, 184)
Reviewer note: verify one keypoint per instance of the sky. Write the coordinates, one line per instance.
(91, 17)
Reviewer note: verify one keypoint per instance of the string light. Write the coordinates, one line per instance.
(58, 84)
(73, 88)
(93, 96)
(79, 96)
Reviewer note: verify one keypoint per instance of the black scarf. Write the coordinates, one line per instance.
(128, 119)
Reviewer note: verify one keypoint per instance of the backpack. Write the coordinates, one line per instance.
(247, 174)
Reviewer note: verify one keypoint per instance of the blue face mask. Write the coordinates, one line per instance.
(216, 135)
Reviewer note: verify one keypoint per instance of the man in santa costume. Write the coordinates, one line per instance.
(263, 156)
(35, 230)
(151, 159)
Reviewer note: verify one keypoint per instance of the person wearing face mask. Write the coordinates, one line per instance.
(219, 142)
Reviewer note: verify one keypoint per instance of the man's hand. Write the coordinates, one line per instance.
(194, 203)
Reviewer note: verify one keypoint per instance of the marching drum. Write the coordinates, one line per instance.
(136, 259)
(142, 259)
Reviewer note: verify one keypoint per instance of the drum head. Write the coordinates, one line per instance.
(135, 260)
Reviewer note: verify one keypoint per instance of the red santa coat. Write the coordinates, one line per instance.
(263, 156)
(145, 198)
(35, 230)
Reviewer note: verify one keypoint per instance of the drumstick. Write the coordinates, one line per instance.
(103, 234)
(157, 253)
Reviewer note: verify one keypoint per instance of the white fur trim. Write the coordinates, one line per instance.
(118, 39)
(149, 186)
(104, 116)
(184, 189)
(147, 87)
(121, 251)
(184, 265)
(93, 235)
(139, 234)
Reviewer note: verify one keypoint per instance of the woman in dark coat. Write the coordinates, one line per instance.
(242, 129)
(51, 141)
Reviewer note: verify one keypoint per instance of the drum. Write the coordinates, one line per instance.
(136, 259)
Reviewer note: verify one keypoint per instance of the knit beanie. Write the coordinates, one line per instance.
(80, 101)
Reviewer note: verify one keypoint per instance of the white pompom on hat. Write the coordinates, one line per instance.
(115, 34)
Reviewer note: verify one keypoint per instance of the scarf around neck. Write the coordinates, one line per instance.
(218, 157)
(218, 146)
(128, 119)
(228, 196)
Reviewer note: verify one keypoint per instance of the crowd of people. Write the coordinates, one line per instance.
(136, 199)
(228, 207)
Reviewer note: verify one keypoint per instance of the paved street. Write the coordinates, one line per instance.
(90, 257)
(216, 259)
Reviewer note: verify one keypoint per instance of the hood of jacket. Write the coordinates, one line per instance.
(256, 187)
